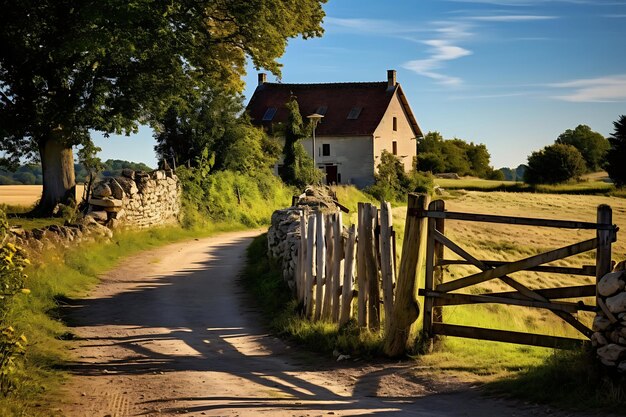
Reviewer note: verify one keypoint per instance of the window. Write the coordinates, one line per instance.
(354, 113)
(394, 147)
(269, 114)
(326, 149)
(322, 110)
(395, 124)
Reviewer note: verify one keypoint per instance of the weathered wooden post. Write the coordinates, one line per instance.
(361, 266)
(301, 270)
(330, 254)
(348, 274)
(373, 287)
(406, 306)
(434, 275)
(310, 264)
(605, 235)
(338, 247)
(320, 252)
(386, 260)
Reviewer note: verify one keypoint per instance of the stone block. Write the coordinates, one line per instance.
(116, 189)
(617, 303)
(611, 283)
(105, 202)
(102, 190)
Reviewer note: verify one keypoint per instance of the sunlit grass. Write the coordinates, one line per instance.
(475, 184)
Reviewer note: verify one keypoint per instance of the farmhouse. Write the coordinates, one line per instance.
(360, 121)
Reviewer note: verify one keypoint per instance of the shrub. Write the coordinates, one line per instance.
(392, 183)
(554, 164)
(616, 156)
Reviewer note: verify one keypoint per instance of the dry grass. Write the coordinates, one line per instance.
(26, 195)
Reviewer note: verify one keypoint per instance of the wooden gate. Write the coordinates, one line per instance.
(438, 294)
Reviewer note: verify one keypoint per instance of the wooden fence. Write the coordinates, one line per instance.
(335, 267)
(438, 293)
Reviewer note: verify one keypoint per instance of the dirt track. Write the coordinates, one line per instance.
(169, 332)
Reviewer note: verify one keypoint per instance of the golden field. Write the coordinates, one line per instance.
(26, 195)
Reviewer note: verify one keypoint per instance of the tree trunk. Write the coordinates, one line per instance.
(59, 183)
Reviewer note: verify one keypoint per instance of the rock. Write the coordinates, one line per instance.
(128, 173)
(621, 367)
(617, 303)
(611, 283)
(159, 175)
(116, 189)
(102, 190)
(120, 214)
(611, 352)
(598, 339)
(105, 202)
(99, 216)
(600, 324)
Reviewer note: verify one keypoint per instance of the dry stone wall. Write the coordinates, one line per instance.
(136, 199)
(609, 324)
(283, 236)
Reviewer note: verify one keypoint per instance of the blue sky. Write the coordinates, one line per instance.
(512, 74)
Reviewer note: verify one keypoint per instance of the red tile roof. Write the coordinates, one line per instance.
(339, 98)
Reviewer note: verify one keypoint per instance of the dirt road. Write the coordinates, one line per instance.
(170, 332)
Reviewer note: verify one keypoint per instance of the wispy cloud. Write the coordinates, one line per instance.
(370, 26)
(601, 89)
(516, 3)
(511, 18)
(441, 51)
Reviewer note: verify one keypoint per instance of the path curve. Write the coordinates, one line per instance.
(170, 332)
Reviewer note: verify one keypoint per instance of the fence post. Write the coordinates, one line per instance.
(339, 255)
(309, 265)
(386, 260)
(434, 274)
(348, 274)
(373, 287)
(301, 270)
(605, 237)
(330, 254)
(361, 266)
(320, 252)
(406, 306)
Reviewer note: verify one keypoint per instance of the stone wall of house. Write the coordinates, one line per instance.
(609, 324)
(136, 199)
(283, 236)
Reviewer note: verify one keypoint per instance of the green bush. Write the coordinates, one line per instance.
(554, 164)
(392, 183)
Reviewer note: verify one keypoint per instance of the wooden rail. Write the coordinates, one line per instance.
(438, 294)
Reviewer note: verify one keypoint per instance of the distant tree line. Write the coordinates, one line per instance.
(31, 174)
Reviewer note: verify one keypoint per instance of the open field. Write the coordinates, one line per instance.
(26, 195)
(592, 184)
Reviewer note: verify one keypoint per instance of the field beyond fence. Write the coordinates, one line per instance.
(26, 195)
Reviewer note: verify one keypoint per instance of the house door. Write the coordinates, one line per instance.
(331, 174)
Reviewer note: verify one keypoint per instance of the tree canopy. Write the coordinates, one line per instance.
(554, 164)
(455, 155)
(616, 155)
(592, 145)
(68, 67)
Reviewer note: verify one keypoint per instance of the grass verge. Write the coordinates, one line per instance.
(263, 280)
(578, 188)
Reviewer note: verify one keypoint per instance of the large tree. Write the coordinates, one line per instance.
(616, 156)
(592, 145)
(67, 67)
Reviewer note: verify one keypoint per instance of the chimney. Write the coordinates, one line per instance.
(391, 78)
(262, 78)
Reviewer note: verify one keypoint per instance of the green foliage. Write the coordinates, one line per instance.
(69, 67)
(244, 198)
(212, 121)
(437, 155)
(554, 164)
(298, 169)
(12, 344)
(392, 183)
(516, 174)
(616, 155)
(592, 145)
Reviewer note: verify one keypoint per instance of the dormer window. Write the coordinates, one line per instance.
(322, 110)
(354, 113)
(269, 114)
